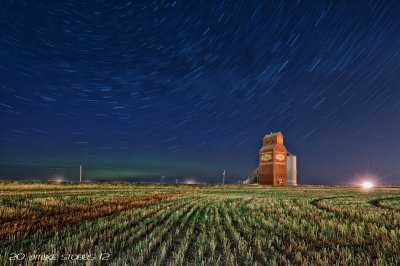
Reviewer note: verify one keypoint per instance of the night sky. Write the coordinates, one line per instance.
(138, 89)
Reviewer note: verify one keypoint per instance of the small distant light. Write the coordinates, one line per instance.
(56, 179)
(367, 185)
(190, 181)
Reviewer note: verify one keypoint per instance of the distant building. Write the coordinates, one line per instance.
(276, 165)
(247, 180)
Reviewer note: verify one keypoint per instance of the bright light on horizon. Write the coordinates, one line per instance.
(367, 184)
(56, 179)
(190, 181)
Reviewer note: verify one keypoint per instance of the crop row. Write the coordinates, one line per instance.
(217, 227)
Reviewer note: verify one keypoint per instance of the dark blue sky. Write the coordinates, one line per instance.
(189, 88)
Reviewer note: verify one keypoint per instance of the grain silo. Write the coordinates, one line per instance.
(291, 164)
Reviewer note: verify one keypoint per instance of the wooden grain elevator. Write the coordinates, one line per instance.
(273, 168)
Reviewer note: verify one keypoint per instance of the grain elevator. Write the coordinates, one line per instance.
(276, 165)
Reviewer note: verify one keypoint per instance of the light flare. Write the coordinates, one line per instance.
(367, 184)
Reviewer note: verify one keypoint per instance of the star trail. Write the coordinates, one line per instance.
(134, 90)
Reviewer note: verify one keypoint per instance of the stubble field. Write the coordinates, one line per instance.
(151, 224)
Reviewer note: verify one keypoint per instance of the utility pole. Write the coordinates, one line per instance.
(80, 173)
(223, 177)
